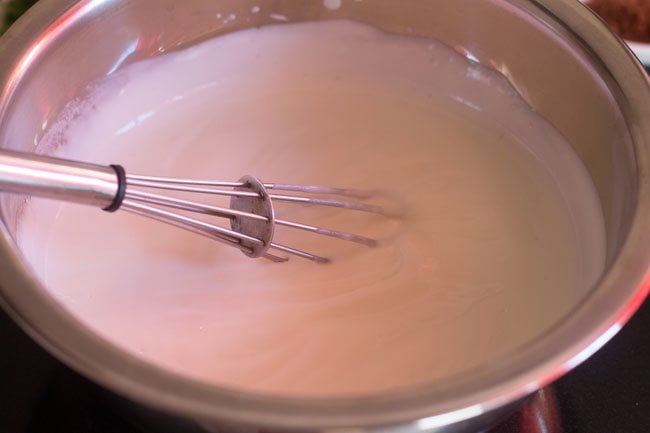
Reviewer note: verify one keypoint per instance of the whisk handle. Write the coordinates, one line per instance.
(59, 179)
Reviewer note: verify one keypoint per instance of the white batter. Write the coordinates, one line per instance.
(502, 230)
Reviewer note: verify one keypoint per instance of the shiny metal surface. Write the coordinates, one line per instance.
(77, 182)
(556, 53)
(261, 205)
(251, 213)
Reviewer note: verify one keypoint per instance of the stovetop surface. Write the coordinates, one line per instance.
(609, 393)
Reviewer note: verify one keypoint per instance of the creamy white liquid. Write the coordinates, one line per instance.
(501, 234)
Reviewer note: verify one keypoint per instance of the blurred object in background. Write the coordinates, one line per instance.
(629, 18)
(10, 10)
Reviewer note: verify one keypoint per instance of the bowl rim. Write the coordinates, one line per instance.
(610, 304)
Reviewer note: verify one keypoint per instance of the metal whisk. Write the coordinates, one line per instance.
(251, 211)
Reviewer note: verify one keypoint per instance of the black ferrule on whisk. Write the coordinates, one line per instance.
(121, 188)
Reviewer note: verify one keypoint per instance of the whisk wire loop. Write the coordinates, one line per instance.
(251, 211)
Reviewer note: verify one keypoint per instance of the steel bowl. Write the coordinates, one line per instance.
(556, 53)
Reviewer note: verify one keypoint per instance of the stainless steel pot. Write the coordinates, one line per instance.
(557, 54)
